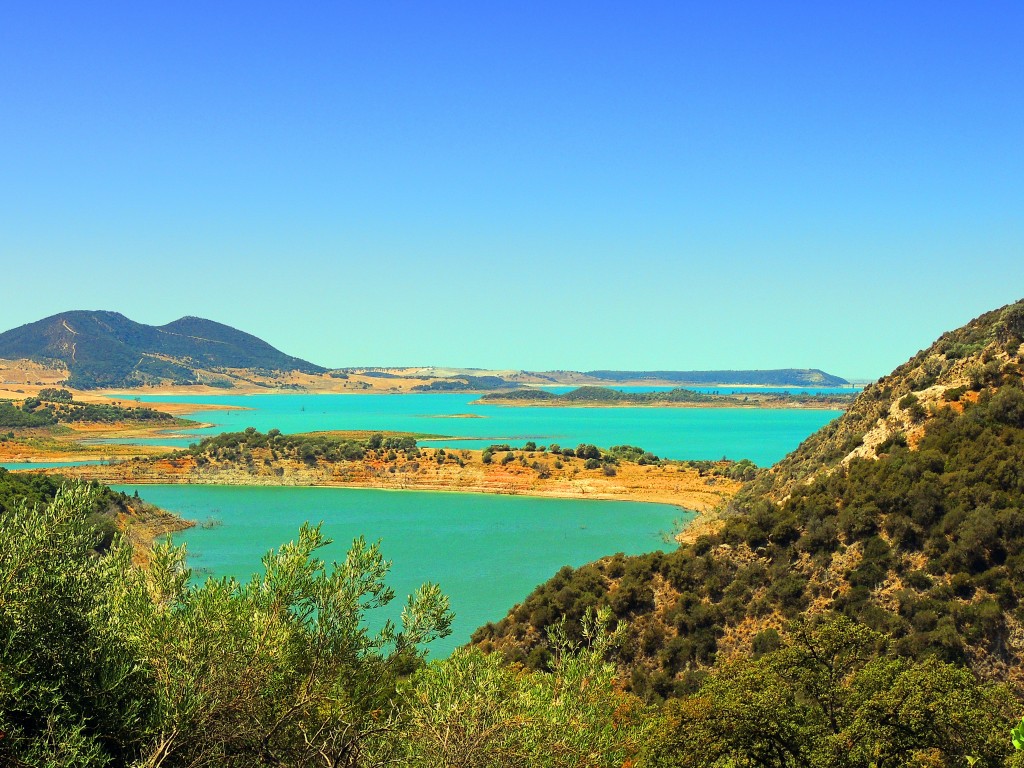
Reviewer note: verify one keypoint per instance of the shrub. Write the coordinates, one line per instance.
(106, 665)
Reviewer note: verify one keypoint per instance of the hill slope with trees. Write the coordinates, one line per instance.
(106, 349)
(859, 605)
(906, 515)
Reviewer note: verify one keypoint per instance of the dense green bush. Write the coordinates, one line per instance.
(18, 418)
(310, 449)
(473, 710)
(35, 413)
(103, 664)
(832, 695)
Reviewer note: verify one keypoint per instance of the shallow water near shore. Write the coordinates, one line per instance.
(762, 435)
(487, 552)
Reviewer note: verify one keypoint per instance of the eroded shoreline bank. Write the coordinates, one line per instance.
(527, 474)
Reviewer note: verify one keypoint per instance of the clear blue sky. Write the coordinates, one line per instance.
(526, 185)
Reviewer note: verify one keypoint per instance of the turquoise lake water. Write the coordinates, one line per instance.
(487, 552)
(762, 435)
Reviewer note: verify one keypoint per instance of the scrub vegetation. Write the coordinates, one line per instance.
(105, 663)
(859, 604)
(57, 406)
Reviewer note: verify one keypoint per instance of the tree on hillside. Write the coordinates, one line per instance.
(475, 710)
(832, 696)
(104, 663)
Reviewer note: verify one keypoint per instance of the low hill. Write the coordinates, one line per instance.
(599, 396)
(906, 514)
(680, 396)
(782, 377)
(106, 349)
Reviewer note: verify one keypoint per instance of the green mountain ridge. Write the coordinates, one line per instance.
(106, 349)
(906, 515)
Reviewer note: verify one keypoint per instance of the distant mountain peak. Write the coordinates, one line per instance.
(102, 348)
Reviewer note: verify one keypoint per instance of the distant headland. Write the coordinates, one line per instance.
(90, 350)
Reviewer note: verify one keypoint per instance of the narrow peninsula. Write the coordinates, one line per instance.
(626, 473)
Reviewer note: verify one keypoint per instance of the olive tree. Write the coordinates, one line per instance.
(103, 663)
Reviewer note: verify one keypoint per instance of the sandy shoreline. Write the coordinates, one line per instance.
(672, 483)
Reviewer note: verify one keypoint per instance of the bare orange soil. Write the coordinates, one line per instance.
(24, 378)
(670, 483)
(72, 442)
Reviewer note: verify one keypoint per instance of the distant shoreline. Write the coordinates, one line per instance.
(738, 405)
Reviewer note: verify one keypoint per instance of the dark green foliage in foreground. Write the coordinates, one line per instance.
(834, 696)
(34, 489)
(102, 664)
(69, 692)
(957, 503)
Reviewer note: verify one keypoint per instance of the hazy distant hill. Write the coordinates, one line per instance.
(906, 514)
(782, 377)
(106, 349)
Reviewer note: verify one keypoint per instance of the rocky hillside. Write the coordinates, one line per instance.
(895, 409)
(907, 514)
(106, 349)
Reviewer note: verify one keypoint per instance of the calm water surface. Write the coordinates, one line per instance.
(761, 435)
(487, 552)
